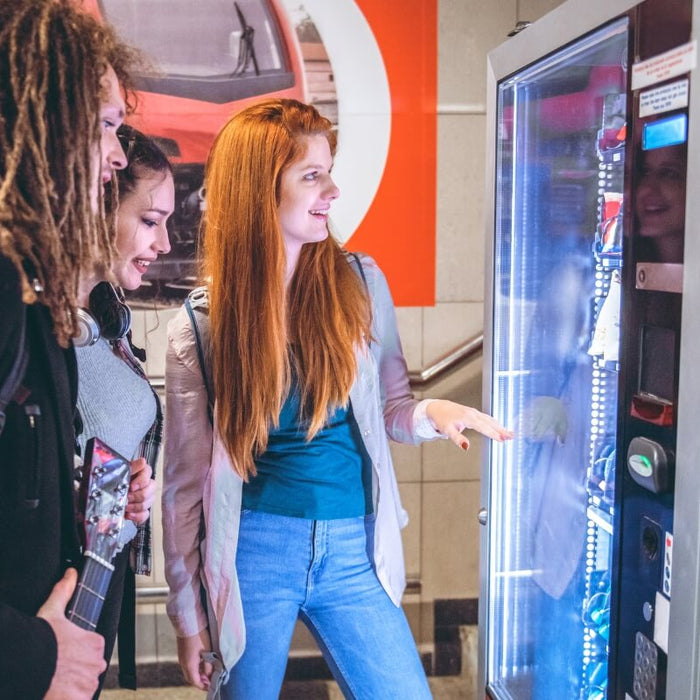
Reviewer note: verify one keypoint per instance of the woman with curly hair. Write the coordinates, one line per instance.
(115, 400)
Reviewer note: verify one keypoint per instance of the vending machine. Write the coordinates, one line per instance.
(590, 566)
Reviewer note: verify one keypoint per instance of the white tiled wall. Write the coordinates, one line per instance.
(439, 483)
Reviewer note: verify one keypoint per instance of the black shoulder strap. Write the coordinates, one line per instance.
(200, 357)
(358, 265)
(354, 260)
(13, 379)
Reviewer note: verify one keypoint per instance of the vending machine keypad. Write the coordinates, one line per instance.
(645, 668)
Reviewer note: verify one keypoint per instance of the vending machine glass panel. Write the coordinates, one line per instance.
(560, 164)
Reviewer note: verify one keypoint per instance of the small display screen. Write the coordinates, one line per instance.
(657, 370)
(665, 132)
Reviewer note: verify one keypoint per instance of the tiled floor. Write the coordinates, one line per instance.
(443, 688)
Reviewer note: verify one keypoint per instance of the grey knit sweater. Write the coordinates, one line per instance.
(115, 404)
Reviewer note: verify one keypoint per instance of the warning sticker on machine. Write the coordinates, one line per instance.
(664, 66)
(664, 98)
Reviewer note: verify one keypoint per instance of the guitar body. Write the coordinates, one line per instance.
(103, 494)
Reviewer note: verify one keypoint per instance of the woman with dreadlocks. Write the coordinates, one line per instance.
(60, 106)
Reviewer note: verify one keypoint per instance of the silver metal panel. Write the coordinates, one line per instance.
(684, 632)
(563, 25)
(487, 367)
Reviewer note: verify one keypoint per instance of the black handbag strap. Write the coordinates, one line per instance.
(358, 265)
(200, 357)
(13, 379)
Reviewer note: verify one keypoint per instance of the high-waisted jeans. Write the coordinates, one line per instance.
(320, 572)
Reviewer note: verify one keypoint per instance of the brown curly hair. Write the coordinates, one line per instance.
(52, 60)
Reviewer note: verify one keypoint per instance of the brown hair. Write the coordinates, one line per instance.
(257, 327)
(52, 60)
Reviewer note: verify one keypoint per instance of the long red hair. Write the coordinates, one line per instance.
(258, 328)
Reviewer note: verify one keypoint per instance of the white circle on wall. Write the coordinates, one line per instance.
(364, 107)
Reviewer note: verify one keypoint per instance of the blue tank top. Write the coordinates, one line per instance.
(325, 479)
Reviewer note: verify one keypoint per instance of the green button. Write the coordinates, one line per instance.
(641, 464)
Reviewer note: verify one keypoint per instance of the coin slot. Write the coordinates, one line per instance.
(650, 542)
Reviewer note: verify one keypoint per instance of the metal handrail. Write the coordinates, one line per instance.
(446, 364)
(152, 594)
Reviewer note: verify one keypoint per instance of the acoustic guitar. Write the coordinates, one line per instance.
(104, 486)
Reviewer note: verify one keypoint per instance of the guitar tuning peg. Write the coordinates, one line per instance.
(95, 494)
(116, 510)
(94, 519)
(121, 488)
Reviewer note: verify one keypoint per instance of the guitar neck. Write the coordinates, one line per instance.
(89, 597)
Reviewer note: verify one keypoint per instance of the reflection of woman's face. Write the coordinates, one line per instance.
(660, 198)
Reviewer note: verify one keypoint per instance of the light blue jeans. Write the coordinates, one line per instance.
(320, 572)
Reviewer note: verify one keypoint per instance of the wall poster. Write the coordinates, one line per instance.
(370, 66)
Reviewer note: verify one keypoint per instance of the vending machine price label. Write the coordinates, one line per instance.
(664, 99)
(665, 66)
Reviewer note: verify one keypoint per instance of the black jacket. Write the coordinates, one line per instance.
(38, 533)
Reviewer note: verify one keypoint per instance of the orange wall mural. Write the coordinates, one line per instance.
(399, 228)
(368, 65)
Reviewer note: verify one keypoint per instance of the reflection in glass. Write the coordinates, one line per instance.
(559, 183)
(659, 204)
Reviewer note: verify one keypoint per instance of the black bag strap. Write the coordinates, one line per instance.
(13, 379)
(200, 356)
(358, 265)
(354, 259)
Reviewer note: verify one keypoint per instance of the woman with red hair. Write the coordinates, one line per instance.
(292, 476)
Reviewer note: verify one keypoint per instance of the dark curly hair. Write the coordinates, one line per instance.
(142, 154)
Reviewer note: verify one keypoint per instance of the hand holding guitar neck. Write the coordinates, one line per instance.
(80, 653)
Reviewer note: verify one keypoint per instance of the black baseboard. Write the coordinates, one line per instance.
(450, 615)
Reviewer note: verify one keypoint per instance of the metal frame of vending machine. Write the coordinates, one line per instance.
(566, 25)
(683, 675)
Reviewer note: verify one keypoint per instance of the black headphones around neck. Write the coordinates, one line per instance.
(108, 317)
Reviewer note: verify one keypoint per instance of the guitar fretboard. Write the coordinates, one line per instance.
(89, 597)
